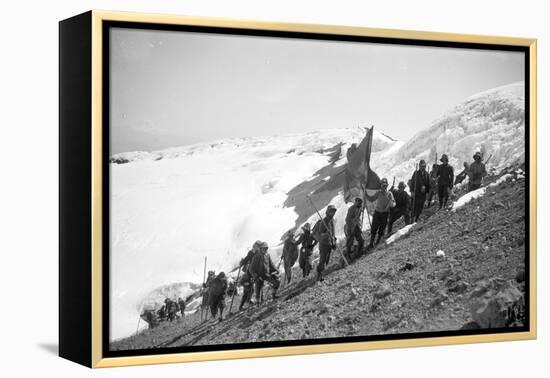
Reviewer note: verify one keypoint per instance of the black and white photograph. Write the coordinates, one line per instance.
(283, 189)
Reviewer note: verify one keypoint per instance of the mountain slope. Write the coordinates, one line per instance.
(171, 208)
(400, 288)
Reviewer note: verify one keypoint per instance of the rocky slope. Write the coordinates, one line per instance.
(171, 208)
(398, 288)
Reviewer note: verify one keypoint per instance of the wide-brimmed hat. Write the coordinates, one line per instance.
(306, 227)
(477, 154)
(444, 158)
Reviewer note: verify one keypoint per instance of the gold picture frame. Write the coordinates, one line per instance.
(91, 247)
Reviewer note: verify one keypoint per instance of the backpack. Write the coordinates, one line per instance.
(259, 265)
(218, 286)
(315, 231)
(290, 252)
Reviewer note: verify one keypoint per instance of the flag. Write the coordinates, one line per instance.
(329, 181)
(358, 174)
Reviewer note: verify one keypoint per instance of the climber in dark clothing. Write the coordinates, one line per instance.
(150, 317)
(445, 175)
(323, 231)
(476, 172)
(402, 203)
(171, 308)
(420, 186)
(216, 295)
(352, 229)
(181, 306)
(262, 269)
(290, 254)
(246, 278)
(308, 242)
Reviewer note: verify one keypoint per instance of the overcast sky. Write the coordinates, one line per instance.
(176, 88)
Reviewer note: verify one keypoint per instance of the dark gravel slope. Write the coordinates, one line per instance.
(400, 288)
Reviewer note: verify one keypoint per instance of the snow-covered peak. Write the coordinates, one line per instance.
(510, 92)
(492, 122)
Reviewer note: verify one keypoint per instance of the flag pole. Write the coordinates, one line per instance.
(365, 208)
(366, 183)
(413, 210)
(203, 281)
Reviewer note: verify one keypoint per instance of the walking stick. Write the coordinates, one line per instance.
(280, 261)
(203, 282)
(486, 165)
(279, 266)
(364, 205)
(328, 230)
(235, 289)
(137, 328)
(415, 177)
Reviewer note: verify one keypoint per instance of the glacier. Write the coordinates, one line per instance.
(171, 208)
